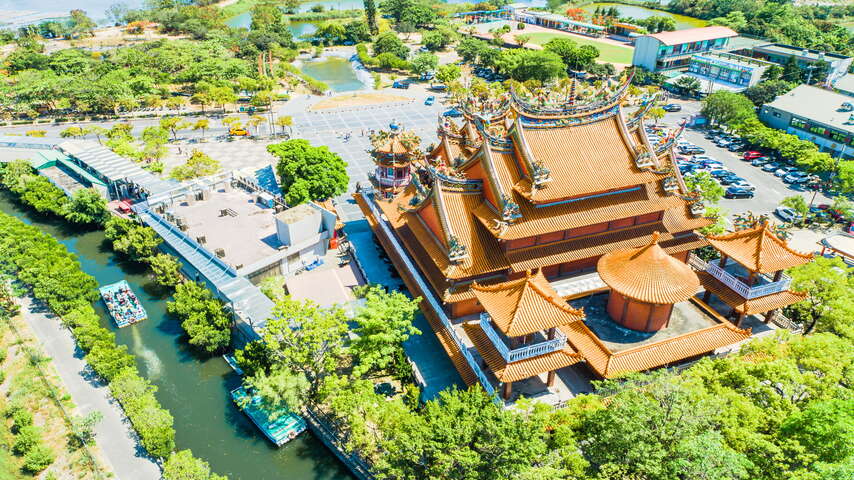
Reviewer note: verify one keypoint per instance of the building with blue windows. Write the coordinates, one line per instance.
(673, 50)
(821, 116)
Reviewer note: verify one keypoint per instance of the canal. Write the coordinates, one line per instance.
(194, 389)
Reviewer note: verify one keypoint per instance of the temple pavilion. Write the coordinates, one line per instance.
(535, 200)
(748, 276)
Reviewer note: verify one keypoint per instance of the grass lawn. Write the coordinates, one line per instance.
(607, 52)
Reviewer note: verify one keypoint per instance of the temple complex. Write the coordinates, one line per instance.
(519, 223)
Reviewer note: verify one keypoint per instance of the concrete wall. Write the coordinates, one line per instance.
(299, 230)
(646, 52)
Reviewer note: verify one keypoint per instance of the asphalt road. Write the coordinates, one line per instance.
(770, 190)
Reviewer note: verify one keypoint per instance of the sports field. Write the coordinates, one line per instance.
(608, 52)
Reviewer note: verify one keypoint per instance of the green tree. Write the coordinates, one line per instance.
(166, 269)
(75, 132)
(39, 458)
(285, 121)
(656, 114)
(791, 71)
(86, 206)
(436, 40)
(174, 124)
(448, 73)
(704, 184)
(81, 23)
(308, 172)
(825, 429)
(357, 31)
(83, 427)
(424, 62)
(202, 317)
(383, 324)
(134, 240)
(309, 339)
(688, 85)
(202, 124)
(829, 308)
(523, 65)
(389, 43)
(728, 108)
(371, 15)
(256, 357)
(767, 91)
(198, 165)
(182, 465)
(799, 204)
(281, 389)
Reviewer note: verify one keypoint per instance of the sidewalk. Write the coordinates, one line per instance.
(114, 434)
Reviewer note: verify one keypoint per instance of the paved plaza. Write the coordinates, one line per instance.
(327, 127)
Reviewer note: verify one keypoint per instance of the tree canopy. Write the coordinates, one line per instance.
(308, 172)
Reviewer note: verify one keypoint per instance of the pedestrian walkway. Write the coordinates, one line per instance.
(114, 434)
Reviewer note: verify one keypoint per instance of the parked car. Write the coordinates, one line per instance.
(783, 171)
(787, 214)
(238, 132)
(751, 154)
(796, 177)
(453, 113)
(672, 107)
(758, 162)
(427, 76)
(691, 149)
(743, 184)
(400, 84)
(729, 179)
(430, 100)
(735, 146)
(735, 192)
(771, 167)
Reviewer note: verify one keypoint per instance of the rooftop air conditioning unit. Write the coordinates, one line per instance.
(201, 240)
(160, 208)
(180, 221)
(220, 253)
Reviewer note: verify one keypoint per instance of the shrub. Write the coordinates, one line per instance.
(21, 418)
(38, 459)
(26, 439)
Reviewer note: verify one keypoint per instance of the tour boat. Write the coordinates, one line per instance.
(122, 304)
(280, 425)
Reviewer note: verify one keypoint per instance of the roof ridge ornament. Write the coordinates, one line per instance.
(456, 250)
(509, 209)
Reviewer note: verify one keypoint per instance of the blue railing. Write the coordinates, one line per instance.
(427, 293)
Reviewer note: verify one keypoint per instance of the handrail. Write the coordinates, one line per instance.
(427, 293)
(737, 285)
(521, 353)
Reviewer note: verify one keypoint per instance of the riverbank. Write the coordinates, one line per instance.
(113, 434)
(194, 389)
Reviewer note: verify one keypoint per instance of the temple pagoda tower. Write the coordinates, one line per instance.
(749, 274)
(393, 152)
(645, 283)
(517, 335)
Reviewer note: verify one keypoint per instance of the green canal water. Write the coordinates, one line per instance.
(634, 11)
(194, 389)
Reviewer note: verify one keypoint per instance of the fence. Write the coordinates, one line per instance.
(521, 353)
(327, 431)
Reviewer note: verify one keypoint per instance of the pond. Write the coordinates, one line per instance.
(337, 72)
(634, 11)
(194, 389)
(298, 29)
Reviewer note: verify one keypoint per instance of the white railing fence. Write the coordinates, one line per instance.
(737, 285)
(521, 353)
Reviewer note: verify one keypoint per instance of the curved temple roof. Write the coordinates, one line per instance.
(648, 274)
(759, 249)
(524, 306)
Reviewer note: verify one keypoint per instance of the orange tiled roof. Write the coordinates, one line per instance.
(649, 198)
(753, 306)
(583, 159)
(394, 143)
(759, 249)
(648, 274)
(513, 372)
(484, 254)
(608, 364)
(596, 245)
(524, 306)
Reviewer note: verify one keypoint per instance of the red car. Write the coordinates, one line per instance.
(750, 155)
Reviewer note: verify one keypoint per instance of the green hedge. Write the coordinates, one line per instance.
(55, 276)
